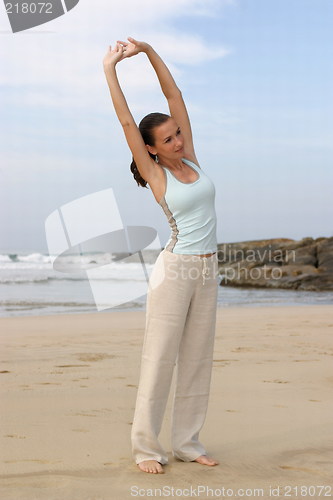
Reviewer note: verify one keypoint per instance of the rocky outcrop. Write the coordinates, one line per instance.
(278, 263)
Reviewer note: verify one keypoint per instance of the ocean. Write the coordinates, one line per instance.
(29, 285)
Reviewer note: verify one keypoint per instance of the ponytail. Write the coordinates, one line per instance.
(146, 126)
(136, 174)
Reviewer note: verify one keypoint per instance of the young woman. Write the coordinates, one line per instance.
(182, 293)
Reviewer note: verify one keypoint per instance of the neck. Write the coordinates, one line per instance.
(172, 164)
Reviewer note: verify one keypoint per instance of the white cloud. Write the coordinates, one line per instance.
(186, 49)
(64, 68)
(144, 12)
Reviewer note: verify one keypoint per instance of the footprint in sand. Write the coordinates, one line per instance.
(243, 349)
(83, 415)
(276, 381)
(304, 360)
(39, 461)
(90, 413)
(301, 469)
(94, 357)
(15, 436)
(72, 366)
(48, 383)
(221, 363)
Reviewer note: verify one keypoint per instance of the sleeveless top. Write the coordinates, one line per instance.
(190, 210)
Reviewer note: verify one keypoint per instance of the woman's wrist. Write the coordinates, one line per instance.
(109, 67)
(147, 49)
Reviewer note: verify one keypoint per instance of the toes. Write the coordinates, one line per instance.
(151, 467)
(205, 460)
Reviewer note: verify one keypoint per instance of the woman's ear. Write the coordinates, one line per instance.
(151, 150)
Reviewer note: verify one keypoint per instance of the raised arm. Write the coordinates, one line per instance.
(133, 136)
(169, 88)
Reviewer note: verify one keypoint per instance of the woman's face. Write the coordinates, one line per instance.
(169, 142)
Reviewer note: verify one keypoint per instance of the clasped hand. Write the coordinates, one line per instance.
(124, 49)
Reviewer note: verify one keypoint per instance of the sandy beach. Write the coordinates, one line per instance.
(68, 392)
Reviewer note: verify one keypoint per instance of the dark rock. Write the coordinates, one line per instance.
(306, 264)
(325, 254)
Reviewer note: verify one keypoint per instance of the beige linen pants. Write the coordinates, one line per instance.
(180, 330)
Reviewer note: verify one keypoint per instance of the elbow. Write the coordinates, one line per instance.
(175, 94)
(126, 123)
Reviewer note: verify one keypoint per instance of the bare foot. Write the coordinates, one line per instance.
(151, 466)
(205, 460)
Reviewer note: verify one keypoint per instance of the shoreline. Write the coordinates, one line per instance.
(69, 389)
(220, 307)
(227, 297)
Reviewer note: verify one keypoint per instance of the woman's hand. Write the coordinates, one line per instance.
(133, 47)
(113, 56)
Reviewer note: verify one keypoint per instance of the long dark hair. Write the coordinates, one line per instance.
(146, 126)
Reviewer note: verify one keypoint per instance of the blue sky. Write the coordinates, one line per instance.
(257, 78)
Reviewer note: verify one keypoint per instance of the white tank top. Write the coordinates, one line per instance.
(190, 210)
